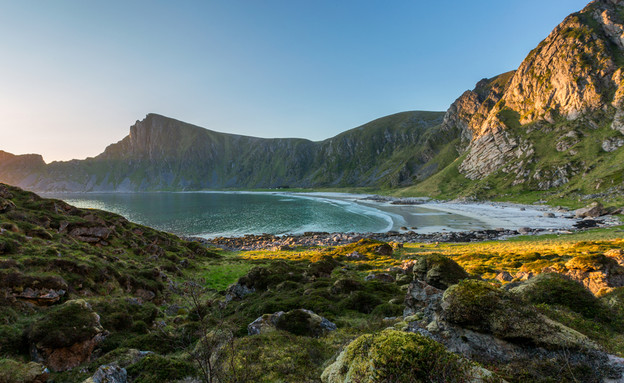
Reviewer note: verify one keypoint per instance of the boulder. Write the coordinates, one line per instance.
(6, 206)
(374, 358)
(438, 271)
(90, 234)
(109, 374)
(481, 307)
(66, 336)
(595, 209)
(299, 322)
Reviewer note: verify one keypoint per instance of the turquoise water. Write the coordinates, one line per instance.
(213, 214)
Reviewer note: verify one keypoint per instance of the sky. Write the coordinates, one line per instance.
(76, 74)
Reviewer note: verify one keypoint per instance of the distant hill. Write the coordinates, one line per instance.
(554, 126)
(161, 153)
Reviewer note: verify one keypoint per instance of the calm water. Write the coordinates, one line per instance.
(212, 214)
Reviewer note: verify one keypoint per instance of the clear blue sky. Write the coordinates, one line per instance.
(75, 74)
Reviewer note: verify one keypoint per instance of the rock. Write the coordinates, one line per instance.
(422, 298)
(382, 277)
(90, 234)
(238, 291)
(418, 360)
(503, 276)
(438, 271)
(612, 144)
(356, 256)
(596, 272)
(109, 374)
(299, 322)
(586, 223)
(549, 215)
(15, 372)
(595, 209)
(41, 297)
(6, 206)
(525, 230)
(66, 336)
(481, 307)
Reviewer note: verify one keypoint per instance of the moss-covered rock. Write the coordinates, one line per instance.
(560, 290)
(479, 306)
(396, 356)
(72, 322)
(438, 271)
(12, 371)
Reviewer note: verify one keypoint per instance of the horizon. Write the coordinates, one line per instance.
(79, 75)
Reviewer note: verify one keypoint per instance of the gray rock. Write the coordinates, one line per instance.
(237, 292)
(595, 209)
(109, 374)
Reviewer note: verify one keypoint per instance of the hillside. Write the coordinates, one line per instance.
(165, 154)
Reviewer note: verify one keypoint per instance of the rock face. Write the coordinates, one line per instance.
(299, 322)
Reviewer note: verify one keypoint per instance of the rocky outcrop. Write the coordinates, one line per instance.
(66, 337)
(595, 209)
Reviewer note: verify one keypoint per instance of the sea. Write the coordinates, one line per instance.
(234, 214)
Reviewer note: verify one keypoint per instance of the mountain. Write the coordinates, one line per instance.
(553, 124)
(161, 153)
(553, 127)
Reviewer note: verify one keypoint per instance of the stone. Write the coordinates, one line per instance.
(90, 234)
(612, 144)
(109, 373)
(238, 291)
(525, 230)
(504, 276)
(438, 271)
(6, 206)
(595, 209)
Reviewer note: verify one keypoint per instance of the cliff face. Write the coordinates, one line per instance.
(536, 126)
(165, 154)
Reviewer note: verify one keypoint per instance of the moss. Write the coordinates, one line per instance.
(470, 303)
(366, 246)
(70, 323)
(155, 369)
(387, 310)
(12, 371)
(438, 270)
(396, 356)
(591, 262)
(557, 289)
(482, 307)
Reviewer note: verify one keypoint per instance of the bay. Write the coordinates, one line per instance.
(214, 214)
